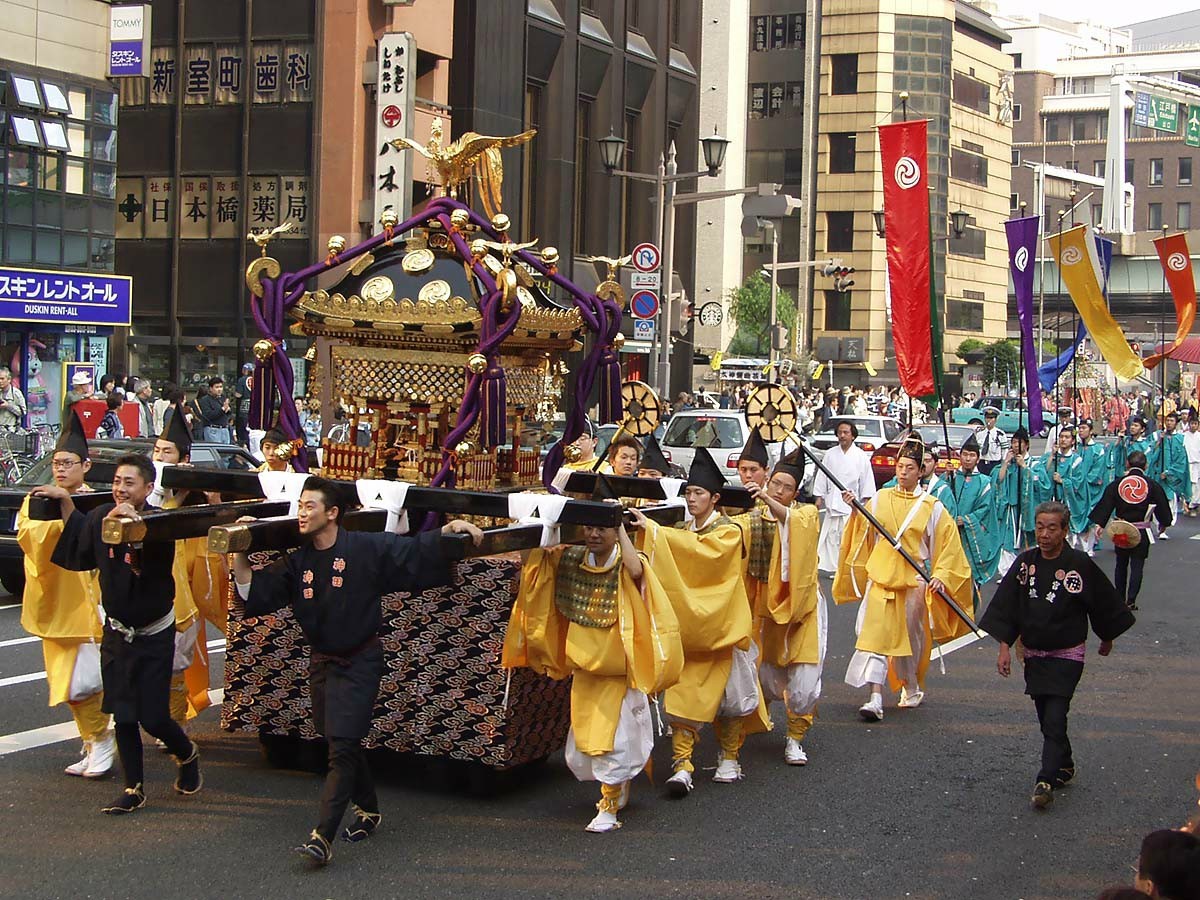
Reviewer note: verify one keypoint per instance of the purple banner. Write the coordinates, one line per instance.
(1022, 254)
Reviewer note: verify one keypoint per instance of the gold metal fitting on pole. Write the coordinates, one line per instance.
(123, 530)
(228, 539)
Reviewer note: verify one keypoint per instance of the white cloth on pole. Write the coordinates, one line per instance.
(387, 495)
(283, 486)
(632, 743)
(672, 487)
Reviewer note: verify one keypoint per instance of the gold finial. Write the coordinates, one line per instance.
(501, 223)
(472, 154)
(550, 256)
(618, 341)
(388, 218)
(477, 363)
(335, 245)
(614, 265)
(263, 350)
(265, 235)
(460, 218)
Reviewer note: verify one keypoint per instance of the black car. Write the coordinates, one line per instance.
(205, 455)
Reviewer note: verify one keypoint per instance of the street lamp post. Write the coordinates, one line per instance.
(713, 147)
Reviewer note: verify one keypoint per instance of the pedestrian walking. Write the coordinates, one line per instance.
(1047, 600)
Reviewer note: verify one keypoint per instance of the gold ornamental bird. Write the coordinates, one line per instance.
(266, 235)
(471, 154)
(613, 264)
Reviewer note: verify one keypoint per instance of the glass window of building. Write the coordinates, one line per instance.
(1098, 168)
(1129, 170)
(972, 93)
(839, 231)
(969, 167)
(1079, 128)
(963, 315)
(1016, 157)
(1052, 129)
(842, 147)
(1156, 172)
(1016, 111)
(837, 310)
(845, 73)
(1183, 216)
(1185, 170)
(1154, 216)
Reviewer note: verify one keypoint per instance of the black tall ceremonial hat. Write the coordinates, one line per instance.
(912, 448)
(792, 464)
(971, 444)
(755, 449)
(603, 489)
(653, 457)
(705, 473)
(177, 431)
(72, 439)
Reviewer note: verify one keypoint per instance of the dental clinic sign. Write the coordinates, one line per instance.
(129, 41)
(65, 298)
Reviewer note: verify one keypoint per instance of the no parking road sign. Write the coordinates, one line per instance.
(644, 305)
(646, 257)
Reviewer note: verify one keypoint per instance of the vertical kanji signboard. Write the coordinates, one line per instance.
(393, 119)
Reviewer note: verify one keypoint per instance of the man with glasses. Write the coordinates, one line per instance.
(62, 608)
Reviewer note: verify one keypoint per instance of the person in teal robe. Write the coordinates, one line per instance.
(1095, 475)
(1014, 489)
(976, 513)
(1135, 438)
(1068, 472)
(1167, 463)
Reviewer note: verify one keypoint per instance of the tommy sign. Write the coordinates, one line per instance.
(78, 298)
(394, 93)
(129, 41)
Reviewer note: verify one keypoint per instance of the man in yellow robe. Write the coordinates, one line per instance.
(900, 615)
(790, 616)
(598, 614)
(63, 609)
(701, 565)
(584, 452)
(201, 581)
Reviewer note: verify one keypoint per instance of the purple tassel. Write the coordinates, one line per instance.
(493, 421)
(610, 386)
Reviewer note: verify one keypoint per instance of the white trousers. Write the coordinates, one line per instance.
(185, 646)
(632, 743)
(798, 685)
(871, 668)
(829, 547)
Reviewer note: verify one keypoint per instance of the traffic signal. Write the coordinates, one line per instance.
(842, 281)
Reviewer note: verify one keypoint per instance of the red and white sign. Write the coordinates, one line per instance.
(394, 92)
(391, 116)
(646, 257)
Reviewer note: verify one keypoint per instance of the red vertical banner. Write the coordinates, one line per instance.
(904, 148)
(1176, 262)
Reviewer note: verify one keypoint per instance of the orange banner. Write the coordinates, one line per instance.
(1177, 264)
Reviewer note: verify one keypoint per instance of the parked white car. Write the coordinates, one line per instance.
(723, 432)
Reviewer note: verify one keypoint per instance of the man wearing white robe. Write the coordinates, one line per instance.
(852, 467)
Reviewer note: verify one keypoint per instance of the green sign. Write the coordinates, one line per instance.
(1191, 131)
(1154, 112)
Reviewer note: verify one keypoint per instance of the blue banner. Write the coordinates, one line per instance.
(65, 298)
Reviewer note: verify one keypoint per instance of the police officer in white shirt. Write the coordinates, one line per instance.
(993, 443)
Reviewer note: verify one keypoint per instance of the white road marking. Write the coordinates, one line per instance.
(66, 731)
(1194, 537)
(214, 647)
(11, 606)
(15, 641)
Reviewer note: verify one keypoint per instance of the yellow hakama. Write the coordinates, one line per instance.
(63, 609)
(899, 615)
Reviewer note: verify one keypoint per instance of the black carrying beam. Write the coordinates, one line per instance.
(734, 496)
(449, 501)
(43, 509)
(185, 522)
(283, 532)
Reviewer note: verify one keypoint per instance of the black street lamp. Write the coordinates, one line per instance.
(713, 147)
(612, 151)
(877, 215)
(958, 221)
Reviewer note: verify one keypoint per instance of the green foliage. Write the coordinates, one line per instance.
(969, 345)
(1002, 363)
(750, 307)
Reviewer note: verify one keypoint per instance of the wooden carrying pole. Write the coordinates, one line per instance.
(284, 532)
(183, 523)
(733, 496)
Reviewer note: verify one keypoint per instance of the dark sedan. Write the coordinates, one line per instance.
(12, 561)
(883, 461)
